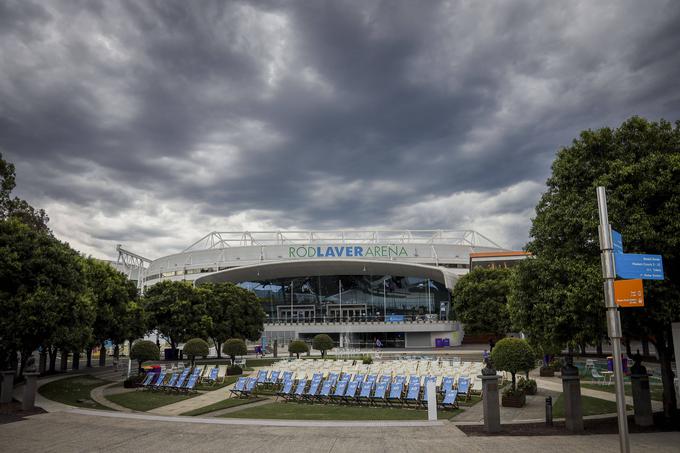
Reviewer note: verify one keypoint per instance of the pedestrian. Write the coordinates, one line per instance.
(491, 345)
(378, 343)
(485, 355)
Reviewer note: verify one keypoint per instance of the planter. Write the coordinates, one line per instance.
(547, 372)
(513, 401)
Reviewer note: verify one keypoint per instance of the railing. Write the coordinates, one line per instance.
(357, 319)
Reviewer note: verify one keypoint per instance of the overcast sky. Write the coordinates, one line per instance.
(153, 123)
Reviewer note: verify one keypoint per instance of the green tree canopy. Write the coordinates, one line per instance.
(480, 301)
(235, 313)
(298, 347)
(323, 343)
(177, 310)
(234, 347)
(639, 164)
(144, 350)
(196, 347)
(15, 207)
(513, 355)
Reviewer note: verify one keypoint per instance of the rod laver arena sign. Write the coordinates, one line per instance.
(348, 251)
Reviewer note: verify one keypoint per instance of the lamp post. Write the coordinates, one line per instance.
(340, 295)
(429, 301)
(385, 300)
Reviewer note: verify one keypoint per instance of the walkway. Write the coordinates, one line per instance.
(117, 432)
(190, 404)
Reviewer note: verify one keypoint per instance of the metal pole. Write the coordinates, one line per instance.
(340, 294)
(613, 317)
(291, 300)
(385, 300)
(429, 302)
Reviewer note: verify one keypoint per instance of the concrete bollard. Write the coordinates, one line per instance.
(7, 386)
(276, 348)
(492, 410)
(431, 400)
(30, 387)
(571, 386)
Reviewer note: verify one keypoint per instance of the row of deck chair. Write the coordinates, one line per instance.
(180, 382)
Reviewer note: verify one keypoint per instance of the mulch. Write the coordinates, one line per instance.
(592, 426)
(12, 412)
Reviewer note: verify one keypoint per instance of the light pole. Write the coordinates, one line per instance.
(385, 300)
(429, 301)
(292, 281)
(340, 295)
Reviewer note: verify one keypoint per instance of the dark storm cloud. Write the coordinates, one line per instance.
(130, 119)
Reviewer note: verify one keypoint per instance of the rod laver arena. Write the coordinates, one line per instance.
(356, 286)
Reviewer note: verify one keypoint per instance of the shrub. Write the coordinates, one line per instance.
(298, 347)
(323, 343)
(367, 360)
(509, 391)
(133, 381)
(233, 347)
(196, 347)
(234, 370)
(513, 355)
(144, 350)
(528, 386)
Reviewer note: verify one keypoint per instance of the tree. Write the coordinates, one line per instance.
(480, 301)
(298, 347)
(177, 310)
(639, 164)
(196, 347)
(233, 347)
(323, 343)
(513, 355)
(15, 207)
(235, 313)
(144, 350)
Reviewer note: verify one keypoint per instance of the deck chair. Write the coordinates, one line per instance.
(333, 378)
(262, 376)
(597, 376)
(426, 394)
(313, 390)
(239, 386)
(249, 388)
(413, 392)
(180, 380)
(396, 390)
(148, 379)
(287, 376)
(400, 379)
(339, 392)
(380, 393)
(351, 391)
(449, 401)
(171, 382)
(286, 391)
(359, 377)
(447, 384)
(207, 370)
(221, 373)
(300, 389)
(193, 380)
(159, 382)
(199, 369)
(365, 392)
(274, 377)
(464, 387)
(325, 392)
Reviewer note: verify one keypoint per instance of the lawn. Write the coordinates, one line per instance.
(589, 406)
(224, 404)
(656, 390)
(145, 400)
(227, 381)
(71, 390)
(304, 411)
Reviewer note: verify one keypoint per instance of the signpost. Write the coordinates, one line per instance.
(617, 242)
(634, 265)
(613, 318)
(629, 293)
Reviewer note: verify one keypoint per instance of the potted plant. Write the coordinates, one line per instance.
(528, 386)
(513, 355)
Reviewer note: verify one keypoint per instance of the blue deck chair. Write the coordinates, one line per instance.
(313, 390)
(239, 386)
(300, 389)
(148, 380)
(180, 380)
(171, 381)
(400, 379)
(426, 394)
(287, 376)
(159, 382)
(464, 387)
(385, 378)
(325, 392)
(372, 378)
(351, 391)
(213, 374)
(250, 387)
(359, 377)
(262, 376)
(447, 384)
(339, 392)
(365, 392)
(449, 401)
(395, 392)
(274, 377)
(380, 393)
(286, 391)
(413, 392)
(193, 379)
(333, 378)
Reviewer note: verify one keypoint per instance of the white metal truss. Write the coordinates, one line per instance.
(223, 239)
(134, 264)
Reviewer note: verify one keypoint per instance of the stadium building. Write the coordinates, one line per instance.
(356, 286)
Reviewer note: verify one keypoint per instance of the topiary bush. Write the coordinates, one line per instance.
(196, 347)
(528, 386)
(513, 355)
(298, 347)
(144, 350)
(233, 347)
(367, 360)
(323, 343)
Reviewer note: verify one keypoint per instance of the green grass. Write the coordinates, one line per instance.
(70, 390)
(303, 411)
(146, 400)
(224, 404)
(656, 390)
(218, 385)
(589, 406)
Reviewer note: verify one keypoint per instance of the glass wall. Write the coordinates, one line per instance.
(351, 298)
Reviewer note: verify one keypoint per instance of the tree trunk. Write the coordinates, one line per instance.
(53, 359)
(42, 362)
(76, 360)
(116, 351)
(88, 355)
(514, 384)
(218, 347)
(64, 360)
(645, 347)
(629, 353)
(598, 347)
(665, 355)
(102, 354)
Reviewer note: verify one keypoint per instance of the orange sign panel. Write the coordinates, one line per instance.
(628, 293)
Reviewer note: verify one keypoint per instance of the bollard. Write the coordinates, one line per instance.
(548, 411)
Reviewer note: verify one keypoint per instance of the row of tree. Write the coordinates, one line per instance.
(54, 300)
(556, 297)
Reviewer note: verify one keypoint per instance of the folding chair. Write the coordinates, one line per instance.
(449, 401)
(413, 392)
(212, 375)
(339, 392)
(180, 380)
(262, 376)
(396, 390)
(300, 389)
(313, 390)
(365, 393)
(249, 388)
(171, 382)
(325, 390)
(380, 393)
(193, 379)
(148, 379)
(238, 386)
(351, 391)
(286, 391)
(159, 382)
(447, 384)
(274, 377)
(464, 387)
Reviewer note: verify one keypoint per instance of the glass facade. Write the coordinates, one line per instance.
(351, 298)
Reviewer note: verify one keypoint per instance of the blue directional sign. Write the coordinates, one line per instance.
(633, 265)
(617, 242)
